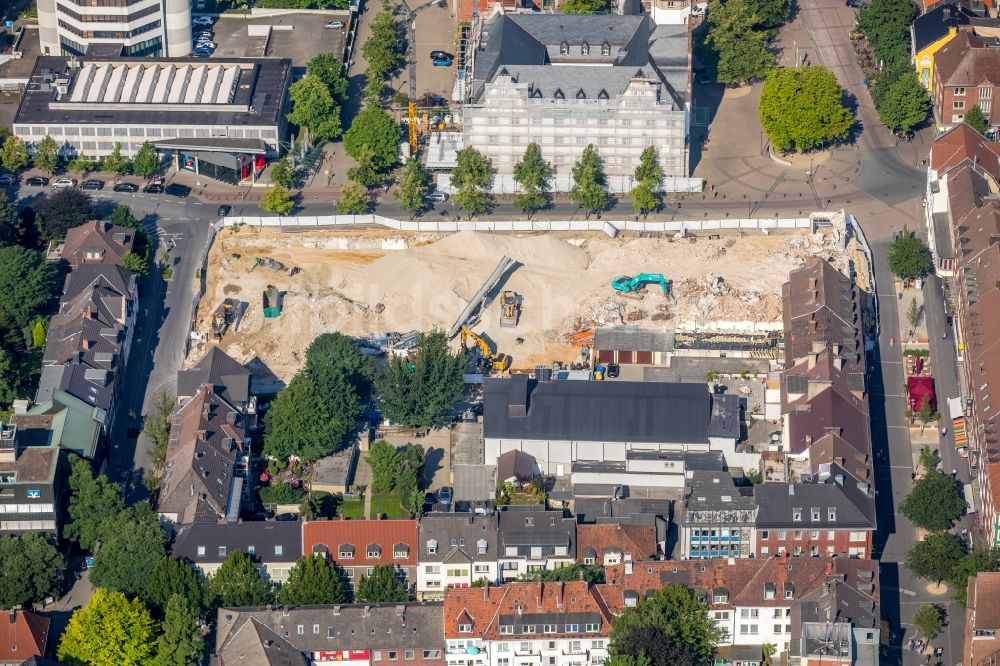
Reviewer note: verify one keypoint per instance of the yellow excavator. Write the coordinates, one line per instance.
(497, 361)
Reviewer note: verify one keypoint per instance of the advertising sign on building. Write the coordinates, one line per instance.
(345, 657)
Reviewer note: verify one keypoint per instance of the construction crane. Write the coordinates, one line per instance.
(497, 361)
(632, 287)
(510, 309)
(413, 128)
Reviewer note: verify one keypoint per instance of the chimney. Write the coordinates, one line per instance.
(829, 568)
(368, 611)
(813, 360)
(628, 567)
(809, 441)
(791, 489)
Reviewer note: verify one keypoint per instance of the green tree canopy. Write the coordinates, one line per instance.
(421, 391)
(591, 573)
(649, 169)
(132, 544)
(354, 200)
(471, 168)
(109, 631)
(14, 154)
(901, 100)
(929, 619)
(385, 462)
(170, 577)
(123, 216)
(589, 182)
(313, 580)
(314, 108)
(302, 423)
(679, 614)
(181, 642)
(93, 500)
(380, 51)
(330, 70)
(27, 283)
(333, 354)
(62, 210)
(283, 173)
(146, 161)
(975, 119)
(533, 174)
(740, 52)
(11, 229)
(412, 187)
(801, 108)
(375, 129)
(115, 161)
(365, 171)
(383, 585)
(934, 503)
(909, 257)
(47, 154)
(583, 6)
(936, 557)
(31, 569)
(10, 379)
(886, 25)
(277, 200)
(971, 564)
(238, 582)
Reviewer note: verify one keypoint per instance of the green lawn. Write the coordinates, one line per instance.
(389, 505)
(352, 508)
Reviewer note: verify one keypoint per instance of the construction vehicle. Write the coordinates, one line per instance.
(272, 302)
(632, 287)
(510, 309)
(268, 262)
(412, 117)
(498, 362)
(224, 316)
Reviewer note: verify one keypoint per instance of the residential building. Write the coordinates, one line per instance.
(982, 620)
(621, 83)
(654, 513)
(533, 538)
(456, 550)
(273, 545)
(624, 433)
(358, 546)
(31, 485)
(132, 28)
(220, 118)
(23, 636)
(718, 518)
(966, 74)
(837, 624)
(96, 242)
(230, 379)
(561, 624)
(65, 422)
(932, 30)
(608, 544)
(757, 601)
(517, 467)
(349, 634)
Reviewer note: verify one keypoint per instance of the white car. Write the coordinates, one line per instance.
(334, 25)
(64, 182)
(205, 44)
(205, 21)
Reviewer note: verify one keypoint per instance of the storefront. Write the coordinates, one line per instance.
(234, 161)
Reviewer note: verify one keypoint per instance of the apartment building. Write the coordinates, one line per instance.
(613, 543)
(532, 539)
(274, 546)
(456, 550)
(116, 27)
(966, 74)
(982, 620)
(96, 242)
(718, 518)
(358, 546)
(32, 489)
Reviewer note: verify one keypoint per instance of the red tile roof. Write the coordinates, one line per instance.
(486, 605)
(636, 541)
(964, 143)
(23, 635)
(386, 534)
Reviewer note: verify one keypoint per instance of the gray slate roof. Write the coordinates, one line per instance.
(521, 408)
(855, 508)
(714, 491)
(632, 338)
(458, 537)
(216, 368)
(256, 644)
(260, 536)
(547, 528)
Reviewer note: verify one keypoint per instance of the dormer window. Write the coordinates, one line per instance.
(465, 628)
(605, 49)
(564, 48)
(814, 513)
(373, 551)
(559, 94)
(796, 514)
(481, 546)
(346, 551)
(400, 551)
(432, 546)
(603, 94)
(529, 521)
(585, 49)
(831, 513)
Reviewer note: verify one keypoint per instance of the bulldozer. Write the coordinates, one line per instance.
(497, 362)
(510, 309)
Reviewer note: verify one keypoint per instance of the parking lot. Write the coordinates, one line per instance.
(295, 36)
(435, 31)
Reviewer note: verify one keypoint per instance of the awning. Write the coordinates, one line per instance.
(216, 144)
(958, 425)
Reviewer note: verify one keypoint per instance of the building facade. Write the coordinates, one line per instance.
(966, 74)
(358, 546)
(456, 550)
(533, 539)
(137, 28)
(274, 546)
(718, 518)
(31, 486)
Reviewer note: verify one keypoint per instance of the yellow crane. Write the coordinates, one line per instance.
(498, 362)
(413, 129)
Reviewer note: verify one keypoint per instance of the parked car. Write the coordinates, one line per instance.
(209, 46)
(442, 62)
(92, 184)
(442, 55)
(436, 196)
(64, 183)
(153, 188)
(287, 517)
(200, 54)
(178, 190)
(445, 495)
(203, 21)
(204, 34)
(224, 210)
(157, 180)
(613, 370)
(856, 4)
(8, 179)
(334, 25)
(37, 181)
(199, 5)
(125, 187)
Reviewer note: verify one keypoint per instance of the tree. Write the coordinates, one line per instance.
(14, 154)
(679, 614)
(31, 569)
(109, 631)
(644, 198)
(62, 210)
(313, 580)
(929, 620)
(583, 6)
(181, 642)
(801, 108)
(11, 229)
(740, 52)
(913, 313)
(975, 119)
(934, 503)
(353, 200)
(310, 423)
(649, 169)
(972, 564)
(122, 216)
(627, 660)
(365, 172)
(886, 25)
(81, 165)
(10, 379)
(901, 100)
(132, 544)
(47, 154)
(331, 354)
(927, 459)
(909, 257)
(277, 200)
(771, 13)
(422, 391)
(330, 70)
(320, 504)
(412, 187)
(380, 51)
(39, 333)
(375, 129)
(115, 162)
(27, 283)
(373, 92)
(655, 645)
(133, 262)
(472, 200)
(533, 174)
(173, 577)
(314, 108)
(238, 582)
(92, 501)
(592, 573)
(589, 182)
(382, 586)
(936, 557)
(385, 462)
(146, 161)
(156, 427)
(283, 173)
(471, 168)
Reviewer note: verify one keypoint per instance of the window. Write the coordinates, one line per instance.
(797, 514)
(481, 568)
(585, 49)
(764, 550)
(958, 104)
(251, 550)
(408, 655)
(377, 655)
(201, 550)
(572, 628)
(814, 513)
(315, 629)
(526, 647)
(777, 628)
(279, 550)
(605, 49)
(222, 551)
(782, 535)
(798, 534)
(432, 654)
(346, 554)
(302, 629)
(959, 91)
(432, 569)
(831, 513)
(432, 547)
(564, 48)
(858, 536)
(465, 628)
(393, 655)
(589, 560)
(764, 534)
(528, 629)
(592, 627)
(986, 92)
(506, 628)
(814, 534)
(373, 553)
(778, 613)
(549, 629)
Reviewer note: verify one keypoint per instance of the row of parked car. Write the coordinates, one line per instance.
(156, 184)
(203, 37)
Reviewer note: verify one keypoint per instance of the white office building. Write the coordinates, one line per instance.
(158, 28)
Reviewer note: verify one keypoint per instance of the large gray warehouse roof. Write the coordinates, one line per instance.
(610, 411)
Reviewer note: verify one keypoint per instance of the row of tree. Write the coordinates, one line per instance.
(14, 155)
(737, 44)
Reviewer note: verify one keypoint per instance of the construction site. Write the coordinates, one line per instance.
(522, 300)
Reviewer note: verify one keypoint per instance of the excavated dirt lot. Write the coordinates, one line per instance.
(373, 282)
